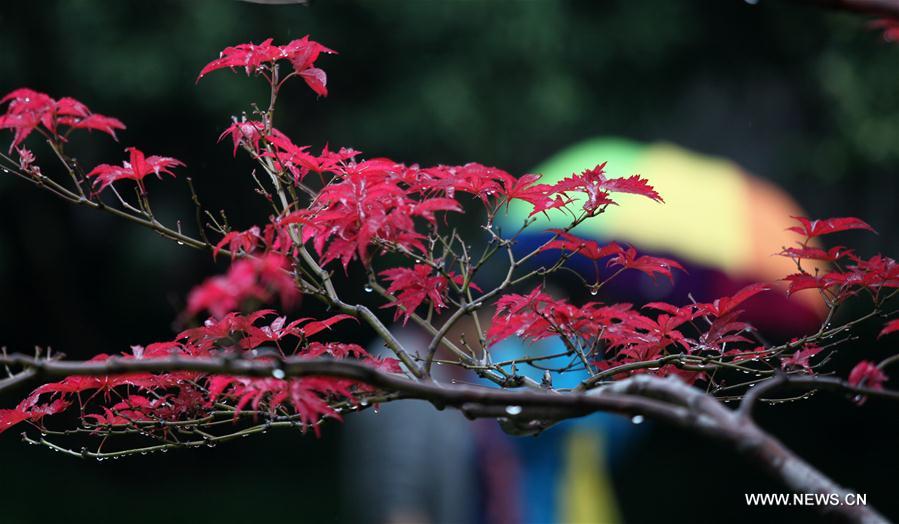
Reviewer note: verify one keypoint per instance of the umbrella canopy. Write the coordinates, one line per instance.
(722, 222)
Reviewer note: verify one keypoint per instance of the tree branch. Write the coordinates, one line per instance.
(667, 400)
(807, 382)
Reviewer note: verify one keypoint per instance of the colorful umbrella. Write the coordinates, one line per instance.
(722, 222)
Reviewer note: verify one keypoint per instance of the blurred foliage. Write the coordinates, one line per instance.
(804, 97)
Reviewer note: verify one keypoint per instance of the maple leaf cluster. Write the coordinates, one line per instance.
(375, 201)
(417, 285)
(362, 205)
(617, 255)
(29, 110)
(257, 58)
(257, 278)
(625, 334)
(335, 206)
(179, 395)
(135, 168)
(850, 275)
(367, 203)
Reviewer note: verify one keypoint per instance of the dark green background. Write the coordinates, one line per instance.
(802, 97)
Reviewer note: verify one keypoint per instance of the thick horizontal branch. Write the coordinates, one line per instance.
(441, 395)
(667, 400)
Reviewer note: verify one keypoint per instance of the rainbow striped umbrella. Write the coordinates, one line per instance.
(722, 222)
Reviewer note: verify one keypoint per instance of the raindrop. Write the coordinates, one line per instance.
(594, 291)
(363, 402)
(368, 288)
(513, 410)
(278, 374)
(180, 243)
(637, 419)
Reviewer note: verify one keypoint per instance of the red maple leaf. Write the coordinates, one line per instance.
(367, 202)
(238, 241)
(249, 133)
(595, 184)
(253, 278)
(29, 410)
(815, 228)
(652, 266)
(300, 162)
(725, 305)
(527, 189)
(136, 168)
(334, 349)
(29, 109)
(302, 54)
(867, 374)
(320, 325)
(800, 359)
(414, 286)
(473, 178)
(249, 56)
(813, 253)
(588, 248)
(890, 327)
